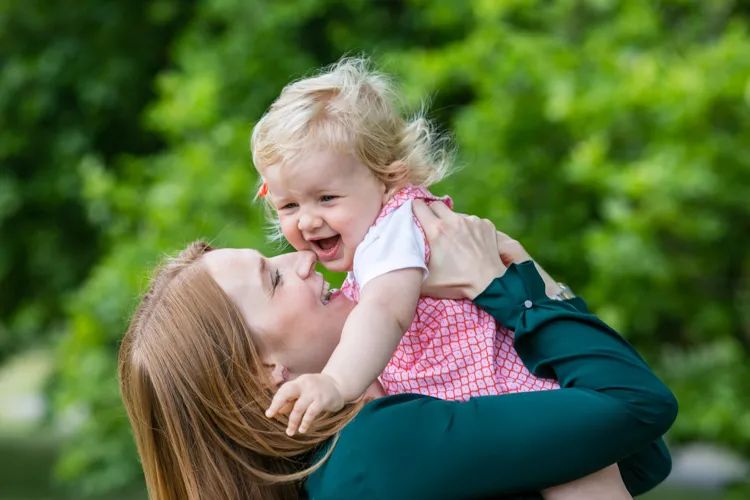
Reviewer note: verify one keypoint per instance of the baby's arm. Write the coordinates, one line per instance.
(373, 330)
(370, 336)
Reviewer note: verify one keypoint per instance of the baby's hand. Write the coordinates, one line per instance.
(313, 393)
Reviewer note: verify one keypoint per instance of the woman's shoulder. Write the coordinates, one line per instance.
(391, 414)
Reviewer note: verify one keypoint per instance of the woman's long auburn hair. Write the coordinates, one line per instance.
(196, 390)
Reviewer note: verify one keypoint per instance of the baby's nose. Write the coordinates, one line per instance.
(309, 222)
(305, 263)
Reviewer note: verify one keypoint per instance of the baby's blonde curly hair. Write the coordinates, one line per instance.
(352, 109)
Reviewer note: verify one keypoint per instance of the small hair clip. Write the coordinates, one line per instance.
(262, 190)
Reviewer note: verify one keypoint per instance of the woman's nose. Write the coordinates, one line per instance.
(305, 263)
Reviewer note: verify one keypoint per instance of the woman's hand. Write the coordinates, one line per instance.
(464, 253)
(467, 253)
(512, 251)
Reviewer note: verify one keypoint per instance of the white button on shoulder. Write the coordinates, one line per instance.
(527, 304)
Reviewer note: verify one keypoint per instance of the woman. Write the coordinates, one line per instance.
(219, 330)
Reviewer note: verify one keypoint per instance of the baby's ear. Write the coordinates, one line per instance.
(397, 178)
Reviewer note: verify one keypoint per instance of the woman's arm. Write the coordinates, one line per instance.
(416, 447)
(373, 330)
(613, 408)
(457, 234)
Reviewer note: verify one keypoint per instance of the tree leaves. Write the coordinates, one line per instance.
(610, 137)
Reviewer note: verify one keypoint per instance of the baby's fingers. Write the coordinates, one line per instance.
(312, 411)
(286, 393)
(295, 417)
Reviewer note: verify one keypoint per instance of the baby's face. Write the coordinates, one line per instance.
(326, 201)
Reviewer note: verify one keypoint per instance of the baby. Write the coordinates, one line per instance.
(341, 168)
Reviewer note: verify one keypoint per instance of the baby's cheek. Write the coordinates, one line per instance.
(293, 235)
(356, 230)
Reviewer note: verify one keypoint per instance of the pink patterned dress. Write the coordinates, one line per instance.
(453, 350)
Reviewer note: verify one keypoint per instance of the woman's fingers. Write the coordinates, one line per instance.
(441, 210)
(433, 216)
(502, 237)
(423, 212)
(461, 263)
(427, 217)
(511, 251)
(488, 228)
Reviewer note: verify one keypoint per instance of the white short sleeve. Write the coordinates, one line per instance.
(393, 243)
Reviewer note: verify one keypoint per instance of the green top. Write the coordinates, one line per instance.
(611, 408)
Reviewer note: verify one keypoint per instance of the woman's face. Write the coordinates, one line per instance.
(284, 303)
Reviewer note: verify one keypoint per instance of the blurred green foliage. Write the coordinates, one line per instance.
(73, 86)
(610, 137)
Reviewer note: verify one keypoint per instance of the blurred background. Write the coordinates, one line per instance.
(611, 137)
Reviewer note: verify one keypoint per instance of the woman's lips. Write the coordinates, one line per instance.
(334, 294)
(325, 293)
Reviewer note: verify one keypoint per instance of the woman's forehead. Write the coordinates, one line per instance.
(227, 265)
(224, 256)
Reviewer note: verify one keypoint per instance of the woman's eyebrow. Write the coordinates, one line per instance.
(265, 278)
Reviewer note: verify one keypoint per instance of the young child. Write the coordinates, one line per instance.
(341, 168)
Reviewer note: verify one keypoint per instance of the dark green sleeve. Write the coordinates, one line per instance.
(611, 407)
(650, 464)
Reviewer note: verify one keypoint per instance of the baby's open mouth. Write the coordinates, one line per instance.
(327, 243)
(326, 248)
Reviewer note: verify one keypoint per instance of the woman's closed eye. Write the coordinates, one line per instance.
(275, 280)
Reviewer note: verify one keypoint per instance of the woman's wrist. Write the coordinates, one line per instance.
(519, 289)
(551, 286)
(481, 283)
